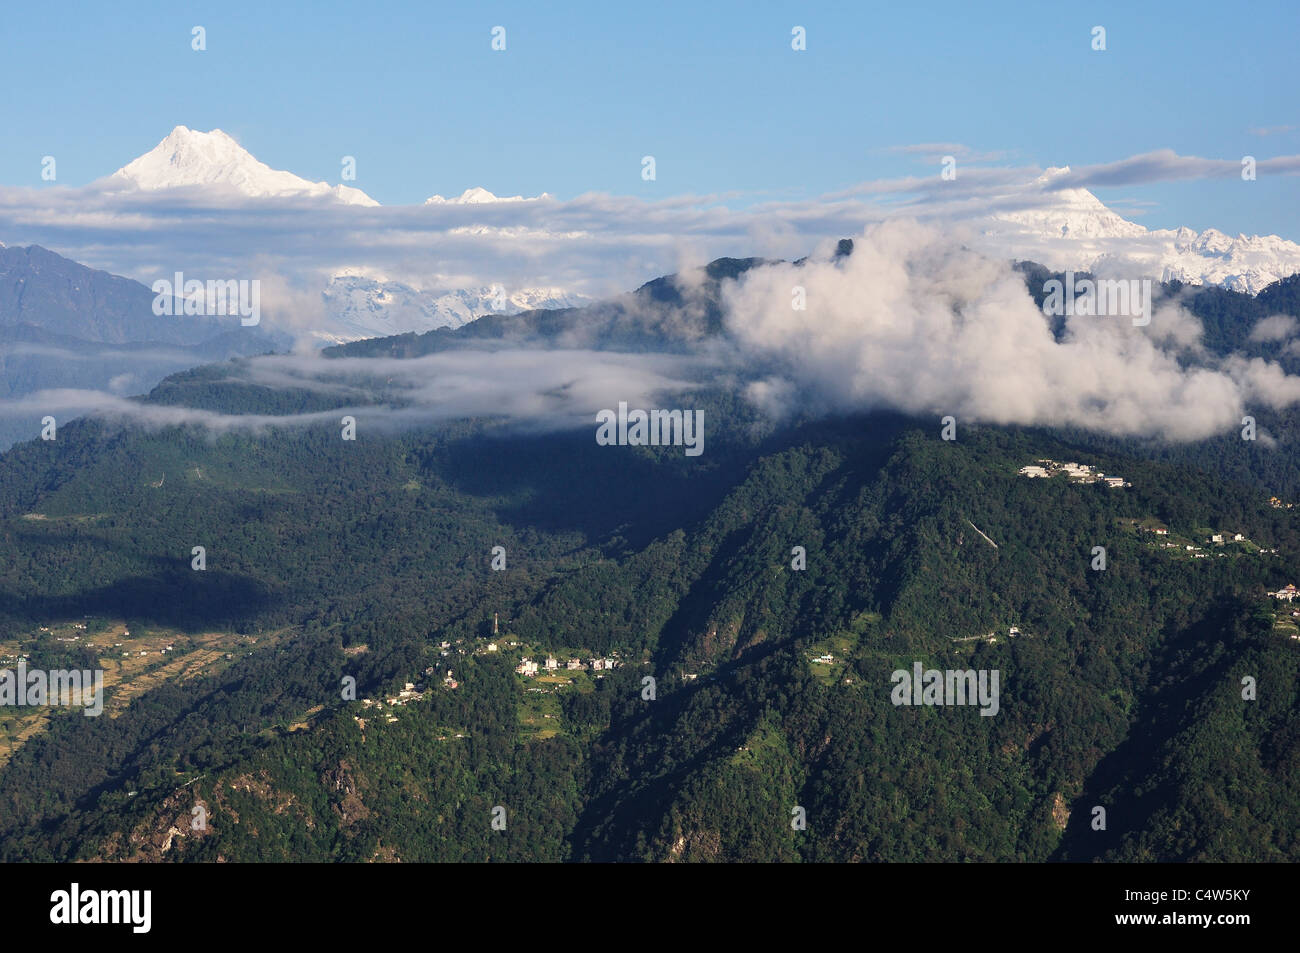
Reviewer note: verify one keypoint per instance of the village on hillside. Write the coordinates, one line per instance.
(1287, 618)
(529, 667)
(1077, 472)
(1198, 543)
(550, 672)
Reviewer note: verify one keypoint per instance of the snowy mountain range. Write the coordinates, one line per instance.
(363, 307)
(1061, 227)
(1075, 230)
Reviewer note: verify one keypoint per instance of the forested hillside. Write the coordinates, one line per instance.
(317, 549)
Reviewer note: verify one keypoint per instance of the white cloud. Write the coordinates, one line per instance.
(914, 321)
(1277, 327)
(539, 389)
(1165, 165)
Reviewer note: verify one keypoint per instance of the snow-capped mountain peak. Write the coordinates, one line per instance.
(478, 196)
(188, 158)
(1070, 213)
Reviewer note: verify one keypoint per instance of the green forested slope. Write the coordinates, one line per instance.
(1120, 690)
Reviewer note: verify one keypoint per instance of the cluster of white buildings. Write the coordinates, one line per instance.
(1079, 472)
(1221, 538)
(409, 693)
(1287, 593)
(529, 667)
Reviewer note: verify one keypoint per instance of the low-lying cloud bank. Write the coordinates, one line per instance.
(529, 389)
(913, 320)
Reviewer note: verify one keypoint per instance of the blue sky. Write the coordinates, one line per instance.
(713, 91)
